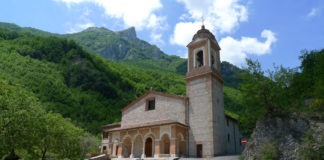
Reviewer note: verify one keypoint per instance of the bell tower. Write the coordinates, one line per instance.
(207, 137)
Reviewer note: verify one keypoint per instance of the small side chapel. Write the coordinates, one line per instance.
(164, 125)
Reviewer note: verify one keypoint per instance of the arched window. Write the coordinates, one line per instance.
(199, 59)
(212, 60)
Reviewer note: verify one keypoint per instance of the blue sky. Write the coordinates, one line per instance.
(273, 32)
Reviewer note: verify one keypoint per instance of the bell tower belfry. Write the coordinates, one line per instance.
(207, 137)
(203, 51)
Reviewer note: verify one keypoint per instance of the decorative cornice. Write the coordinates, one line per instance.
(203, 71)
(145, 125)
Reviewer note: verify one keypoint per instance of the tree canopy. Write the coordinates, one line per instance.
(282, 90)
(27, 130)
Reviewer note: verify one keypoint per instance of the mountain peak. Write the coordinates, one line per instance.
(129, 33)
(97, 29)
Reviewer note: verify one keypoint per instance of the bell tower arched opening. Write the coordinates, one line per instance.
(199, 58)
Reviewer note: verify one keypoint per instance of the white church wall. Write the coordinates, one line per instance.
(166, 108)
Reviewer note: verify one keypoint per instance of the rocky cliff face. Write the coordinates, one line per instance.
(287, 138)
(122, 45)
(129, 34)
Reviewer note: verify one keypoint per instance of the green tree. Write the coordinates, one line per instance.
(58, 137)
(265, 95)
(25, 125)
(310, 82)
(19, 112)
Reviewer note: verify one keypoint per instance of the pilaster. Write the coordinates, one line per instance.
(157, 148)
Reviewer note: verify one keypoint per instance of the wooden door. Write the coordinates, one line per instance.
(199, 151)
(148, 147)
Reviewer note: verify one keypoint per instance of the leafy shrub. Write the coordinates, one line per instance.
(269, 151)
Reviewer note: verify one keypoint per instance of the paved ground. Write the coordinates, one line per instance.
(232, 157)
(227, 158)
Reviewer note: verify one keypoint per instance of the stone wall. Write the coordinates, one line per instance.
(200, 116)
(168, 140)
(219, 136)
(233, 138)
(166, 108)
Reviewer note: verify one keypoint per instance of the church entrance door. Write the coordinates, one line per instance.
(199, 150)
(148, 147)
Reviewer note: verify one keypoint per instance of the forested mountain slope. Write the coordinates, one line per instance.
(126, 48)
(87, 88)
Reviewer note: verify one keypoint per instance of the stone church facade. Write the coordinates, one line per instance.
(164, 125)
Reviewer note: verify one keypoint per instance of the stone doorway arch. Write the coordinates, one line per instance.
(149, 147)
(165, 144)
(127, 147)
(181, 145)
(138, 147)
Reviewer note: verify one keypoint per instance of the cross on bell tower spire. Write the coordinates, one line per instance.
(202, 22)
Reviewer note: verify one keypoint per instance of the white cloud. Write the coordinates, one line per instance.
(313, 12)
(183, 33)
(235, 51)
(79, 27)
(219, 16)
(133, 13)
(140, 14)
(157, 25)
(156, 38)
(81, 22)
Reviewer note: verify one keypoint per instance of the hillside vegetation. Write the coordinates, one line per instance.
(125, 47)
(285, 90)
(285, 110)
(87, 88)
(46, 78)
(89, 76)
(75, 83)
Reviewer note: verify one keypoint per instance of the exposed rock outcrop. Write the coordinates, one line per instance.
(129, 34)
(286, 138)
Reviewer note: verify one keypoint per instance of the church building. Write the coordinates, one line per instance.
(164, 125)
